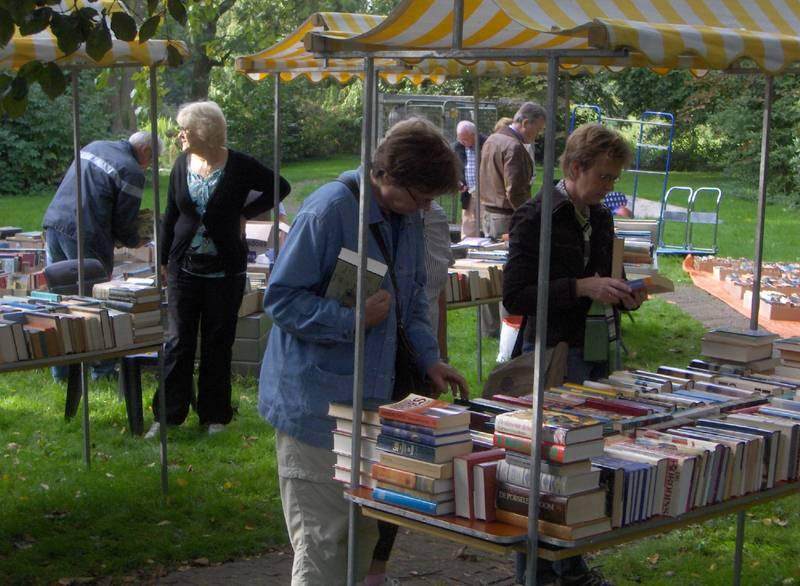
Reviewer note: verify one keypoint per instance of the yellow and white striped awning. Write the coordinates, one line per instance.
(703, 34)
(289, 58)
(43, 46)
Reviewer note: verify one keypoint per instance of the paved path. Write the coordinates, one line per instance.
(417, 559)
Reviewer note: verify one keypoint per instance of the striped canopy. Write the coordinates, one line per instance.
(702, 34)
(43, 46)
(289, 58)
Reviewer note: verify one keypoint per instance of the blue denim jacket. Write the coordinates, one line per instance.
(309, 358)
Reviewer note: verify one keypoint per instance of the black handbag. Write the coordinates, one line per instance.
(407, 377)
(466, 196)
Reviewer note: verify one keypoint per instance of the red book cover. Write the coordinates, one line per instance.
(462, 473)
(427, 412)
(616, 407)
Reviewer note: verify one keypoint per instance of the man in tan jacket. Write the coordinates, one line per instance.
(507, 169)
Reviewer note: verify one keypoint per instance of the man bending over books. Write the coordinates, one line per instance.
(309, 359)
(581, 288)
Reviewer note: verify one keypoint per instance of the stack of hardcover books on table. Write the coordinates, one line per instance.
(343, 437)
(419, 438)
(571, 501)
(142, 301)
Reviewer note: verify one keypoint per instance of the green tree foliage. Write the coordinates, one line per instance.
(36, 148)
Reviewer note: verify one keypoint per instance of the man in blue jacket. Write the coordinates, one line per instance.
(309, 359)
(112, 179)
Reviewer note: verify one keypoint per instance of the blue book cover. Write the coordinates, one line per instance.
(423, 438)
(701, 396)
(421, 429)
(409, 502)
(780, 412)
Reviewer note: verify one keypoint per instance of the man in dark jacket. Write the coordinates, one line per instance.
(464, 146)
(580, 272)
(112, 179)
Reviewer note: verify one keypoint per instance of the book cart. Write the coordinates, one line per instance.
(43, 47)
(540, 30)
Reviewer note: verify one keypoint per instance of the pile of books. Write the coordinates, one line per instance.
(21, 239)
(639, 238)
(48, 325)
(343, 437)
(473, 279)
(418, 441)
(21, 270)
(789, 358)
(571, 501)
(752, 349)
(141, 300)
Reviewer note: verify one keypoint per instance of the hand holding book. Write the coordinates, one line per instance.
(376, 308)
(603, 289)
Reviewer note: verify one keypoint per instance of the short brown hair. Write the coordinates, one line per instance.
(502, 123)
(590, 142)
(415, 155)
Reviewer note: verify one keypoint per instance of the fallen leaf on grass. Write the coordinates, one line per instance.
(200, 562)
(109, 475)
(780, 522)
(227, 485)
(182, 482)
(712, 567)
(44, 486)
(463, 555)
(669, 574)
(653, 559)
(674, 350)
(766, 521)
(755, 564)
(249, 527)
(56, 515)
(788, 581)
(162, 523)
(12, 447)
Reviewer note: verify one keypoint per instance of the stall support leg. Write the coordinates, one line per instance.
(520, 561)
(737, 553)
(479, 341)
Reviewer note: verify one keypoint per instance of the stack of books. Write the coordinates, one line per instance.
(46, 325)
(571, 501)
(418, 441)
(142, 301)
(343, 437)
(789, 357)
(751, 349)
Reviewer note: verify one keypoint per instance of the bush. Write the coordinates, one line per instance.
(36, 149)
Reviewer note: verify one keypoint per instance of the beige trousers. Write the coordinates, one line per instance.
(316, 515)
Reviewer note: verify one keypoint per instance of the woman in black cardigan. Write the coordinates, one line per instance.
(213, 190)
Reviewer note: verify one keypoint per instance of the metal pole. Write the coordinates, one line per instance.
(479, 345)
(762, 201)
(162, 398)
(476, 105)
(76, 147)
(276, 167)
(458, 23)
(476, 193)
(360, 330)
(543, 288)
(737, 553)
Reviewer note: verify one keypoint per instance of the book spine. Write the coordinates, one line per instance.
(402, 500)
(409, 417)
(517, 426)
(412, 436)
(549, 451)
(551, 508)
(403, 478)
(406, 448)
(521, 476)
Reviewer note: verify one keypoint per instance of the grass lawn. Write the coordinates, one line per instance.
(60, 520)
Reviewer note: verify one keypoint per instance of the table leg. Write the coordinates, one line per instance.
(73, 391)
(520, 562)
(479, 342)
(87, 441)
(737, 554)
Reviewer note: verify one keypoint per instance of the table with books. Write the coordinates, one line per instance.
(46, 329)
(633, 455)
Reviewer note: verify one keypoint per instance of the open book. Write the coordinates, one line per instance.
(344, 280)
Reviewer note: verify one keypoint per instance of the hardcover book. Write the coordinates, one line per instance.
(462, 471)
(419, 410)
(558, 428)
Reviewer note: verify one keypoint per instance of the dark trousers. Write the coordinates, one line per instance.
(386, 535)
(212, 305)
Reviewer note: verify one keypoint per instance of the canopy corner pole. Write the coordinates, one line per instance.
(360, 326)
(763, 175)
(76, 147)
(162, 398)
(458, 24)
(543, 287)
(476, 193)
(276, 167)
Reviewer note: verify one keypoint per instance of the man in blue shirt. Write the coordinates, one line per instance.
(112, 180)
(309, 360)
